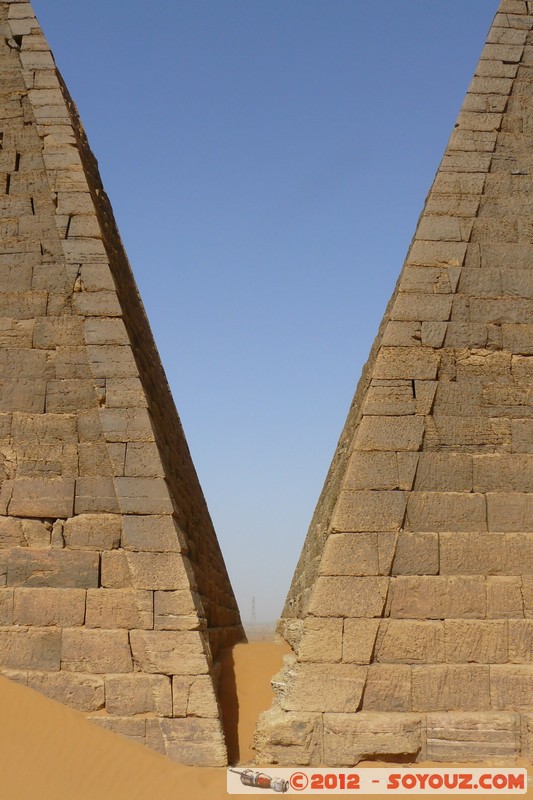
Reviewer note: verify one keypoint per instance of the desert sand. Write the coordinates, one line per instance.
(51, 752)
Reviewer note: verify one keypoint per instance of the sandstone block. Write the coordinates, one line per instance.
(138, 694)
(408, 363)
(126, 425)
(527, 736)
(194, 696)
(143, 460)
(416, 554)
(151, 533)
(392, 400)
(288, 739)
(410, 642)
(358, 640)
(143, 495)
(349, 738)
(520, 640)
(67, 396)
(502, 472)
(511, 686)
(145, 570)
(369, 511)
(348, 596)
(95, 495)
(476, 641)
(53, 568)
(422, 307)
(6, 607)
(401, 334)
(441, 687)
(437, 597)
(372, 471)
(446, 511)
(11, 533)
(98, 651)
(97, 304)
(119, 608)
(321, 640)
(42, 497)
(133, 728)
(44, 607)
(510, 511)
(177, 610)
(350, 554)
(170, 652)
(464, 736)
(189, 741)
(387, 688)
(390, 433)
(125, 393)
(93, 532)
(486, 554)
(30, 648)
(83, 692)
(522, 435)
(324, 687)
(113, 361)
(504, 598)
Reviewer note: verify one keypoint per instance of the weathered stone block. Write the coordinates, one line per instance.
(511, 686)
(170, 652)
(510, 511)
(395, 399)
(321, 640)
(464, 736)
(520, 640)
(133, 728)
(387, 688)
(126, 425)
(93, 532)
(42, 497)
(410, 642)
(143, 496)
(390, 433)
(416, 554)
(504, 598)
(177, 610)
(6, 607)
(144, 570)
(324, 687)
(408, 363)
(437, 597)
(54, 568)
(369, 511)
(289, 739)
(95, 495)
(348, 596)
(358, 640)
(350, 554)
(11, 533)
(198, 742)
(64, 608)
(422, 307)
(85, 650)
(151, 533)
(350, 738)
(83, 692)
(444, 472)
(30, 648)
(372, 471)
(119, 608)
(143, 460)
(446, 511)
(447, 687)
(470, 641)
(138, 694)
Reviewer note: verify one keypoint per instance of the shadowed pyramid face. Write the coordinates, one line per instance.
(115, 596)
(411, 609)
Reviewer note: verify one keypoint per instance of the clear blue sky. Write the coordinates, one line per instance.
(267, 161)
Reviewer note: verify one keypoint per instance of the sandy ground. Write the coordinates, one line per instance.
(50, 752)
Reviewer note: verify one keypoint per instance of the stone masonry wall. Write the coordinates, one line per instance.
(114, 596)
(413, 629)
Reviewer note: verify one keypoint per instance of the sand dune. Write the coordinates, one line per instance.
(51, 752)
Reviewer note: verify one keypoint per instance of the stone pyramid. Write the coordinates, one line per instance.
(411, 609)
(115, 598)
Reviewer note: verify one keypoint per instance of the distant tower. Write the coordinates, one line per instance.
(411, 609)
(115, 596)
